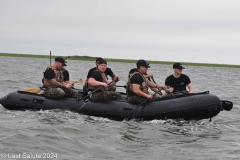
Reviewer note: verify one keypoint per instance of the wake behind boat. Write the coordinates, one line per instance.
(194, 106)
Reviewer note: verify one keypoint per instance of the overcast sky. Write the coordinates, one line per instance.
(205, 31)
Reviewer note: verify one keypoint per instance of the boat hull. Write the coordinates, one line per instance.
(193, 106)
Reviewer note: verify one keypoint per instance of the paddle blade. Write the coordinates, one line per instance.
(122, 86)
(227, 105)
(32, 90)
(79, 81)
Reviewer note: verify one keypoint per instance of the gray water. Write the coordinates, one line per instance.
(55, 134)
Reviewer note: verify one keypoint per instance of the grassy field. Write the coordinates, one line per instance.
(88, 58)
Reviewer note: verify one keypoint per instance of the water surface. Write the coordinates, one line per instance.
(74, 136)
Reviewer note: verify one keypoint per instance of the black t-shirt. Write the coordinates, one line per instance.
(108, 72)
(136, 79)
(96, 75)
(178, 84)
(49, 74)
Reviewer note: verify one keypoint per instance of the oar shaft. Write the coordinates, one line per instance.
(139, 106)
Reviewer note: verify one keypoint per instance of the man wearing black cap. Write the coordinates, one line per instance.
(178, 81)
(137, 87)
(108, 72)
(98, 79)
(56, 80)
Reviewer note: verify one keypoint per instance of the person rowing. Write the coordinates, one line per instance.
(137, 86)
(178, 82)
(56, 80)
(98, 79)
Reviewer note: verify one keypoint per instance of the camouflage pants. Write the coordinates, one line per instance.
(105, 95)
(112, 88)
(57, 93)
(84, 88)
(138, 99)
(184, 92)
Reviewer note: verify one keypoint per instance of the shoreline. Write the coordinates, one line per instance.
(88, 58)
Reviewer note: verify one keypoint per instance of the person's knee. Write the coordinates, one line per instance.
(54, 93)
(110, 95)
(113, 88)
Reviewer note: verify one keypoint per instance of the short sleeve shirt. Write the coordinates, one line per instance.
(49, 74)
(108, 72)
(179, 83)
(136, 79)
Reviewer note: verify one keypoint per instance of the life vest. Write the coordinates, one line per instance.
(104, 79)
(130, 75)
(58, 75)
(129, 86)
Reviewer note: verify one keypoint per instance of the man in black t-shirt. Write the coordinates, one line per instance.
(99, 79)
(178, 82)
(108, 72)
(56, 80)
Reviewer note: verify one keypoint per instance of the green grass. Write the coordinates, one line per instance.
(88, 58)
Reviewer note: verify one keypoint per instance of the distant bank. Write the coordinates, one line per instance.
(88, 58)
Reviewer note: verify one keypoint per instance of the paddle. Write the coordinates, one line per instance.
(122, 86)
(227, 105)
(50, 58)
(129, 117)
(156, 84)
(89, 94)
(37, 90)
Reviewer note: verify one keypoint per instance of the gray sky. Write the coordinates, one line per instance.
(205, 31)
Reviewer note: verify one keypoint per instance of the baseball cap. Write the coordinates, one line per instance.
(178, 65)
(142, 62)
(61, 60)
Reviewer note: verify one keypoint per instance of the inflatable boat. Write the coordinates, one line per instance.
(195, 106)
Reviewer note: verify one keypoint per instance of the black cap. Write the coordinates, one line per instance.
(178, 65)
(102, 62)
(99, 59)
(61, 60)
(142, 62)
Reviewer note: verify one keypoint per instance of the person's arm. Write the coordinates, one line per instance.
(95, 79)
(148, 75)
(137, 91)
(190, 88)
(66, 78)
(94, 82)
(89, 73)
(64, 85)
(114, 77)
(189, 84)
(155, 87)
(168, 87)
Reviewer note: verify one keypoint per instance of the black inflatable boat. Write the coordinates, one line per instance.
(194, 106)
